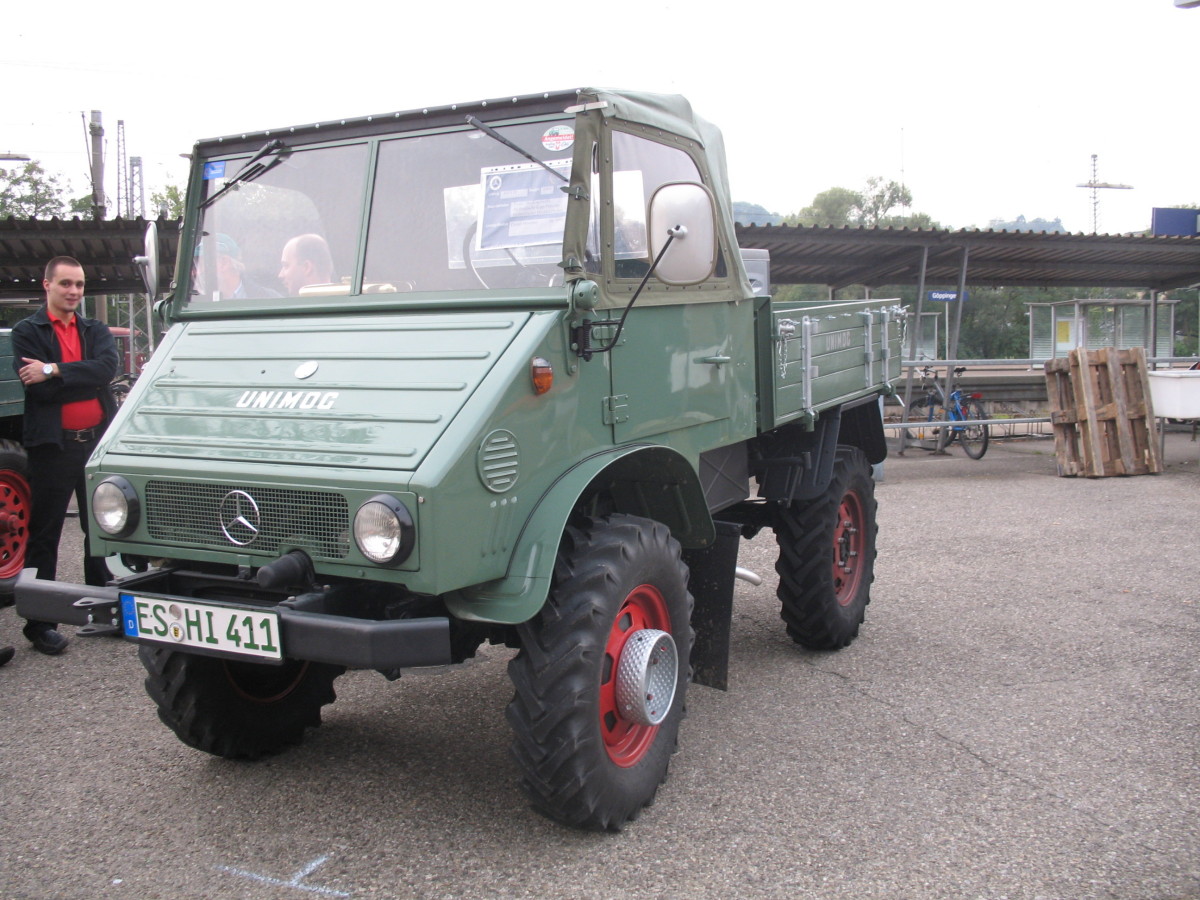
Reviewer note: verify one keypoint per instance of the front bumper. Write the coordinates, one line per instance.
(306, 634)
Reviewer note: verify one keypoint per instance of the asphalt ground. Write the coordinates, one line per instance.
(1018, 719)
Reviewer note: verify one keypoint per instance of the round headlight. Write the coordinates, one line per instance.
(115, 506)
(383, 530)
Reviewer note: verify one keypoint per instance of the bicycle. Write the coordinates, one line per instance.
(933, 408)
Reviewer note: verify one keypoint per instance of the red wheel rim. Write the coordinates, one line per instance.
(628, 742)
(15, 504)
(848, 544)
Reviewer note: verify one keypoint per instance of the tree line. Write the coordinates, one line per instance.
(30, 192)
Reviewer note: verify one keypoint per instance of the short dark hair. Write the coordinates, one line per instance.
(60, 261)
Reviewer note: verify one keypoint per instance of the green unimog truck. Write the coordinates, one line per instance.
(492, 372)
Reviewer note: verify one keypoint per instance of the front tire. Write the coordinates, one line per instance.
(933, 413)
(590, 755)
(237, 710)
(827, 556)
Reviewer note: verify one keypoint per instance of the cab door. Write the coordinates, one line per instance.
(677, 361)
(679, 366)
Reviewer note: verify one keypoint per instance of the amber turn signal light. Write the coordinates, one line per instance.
(542, 374)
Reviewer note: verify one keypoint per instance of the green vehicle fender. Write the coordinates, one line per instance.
(653, 481)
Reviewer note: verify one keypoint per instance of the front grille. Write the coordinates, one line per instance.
(183, 513)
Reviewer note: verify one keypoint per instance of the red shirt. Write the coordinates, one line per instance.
(83, 413)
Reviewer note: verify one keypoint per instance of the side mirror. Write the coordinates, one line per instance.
(686, 212)
(149, 263)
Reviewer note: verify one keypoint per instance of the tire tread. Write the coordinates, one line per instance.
(804, 533)
(559, 750)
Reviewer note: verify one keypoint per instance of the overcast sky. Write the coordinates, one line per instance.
(985, 110)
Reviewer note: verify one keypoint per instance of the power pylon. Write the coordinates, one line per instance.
(123, 203)
(137, 193)
(1096, 185)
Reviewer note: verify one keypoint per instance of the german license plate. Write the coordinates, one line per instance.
(227, 629)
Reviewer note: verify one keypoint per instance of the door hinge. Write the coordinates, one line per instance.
(616, 409)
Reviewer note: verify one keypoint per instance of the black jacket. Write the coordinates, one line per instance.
(84, 380)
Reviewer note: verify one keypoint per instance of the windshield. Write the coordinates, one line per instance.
(447, 212)
(462, 211)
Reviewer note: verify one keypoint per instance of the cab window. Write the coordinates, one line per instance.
(304, 210)
(640, 167)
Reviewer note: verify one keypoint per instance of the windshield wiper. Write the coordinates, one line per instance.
(497, 136)
(272, 152)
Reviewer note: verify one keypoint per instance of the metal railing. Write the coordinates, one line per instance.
(1017, 363)
(927, 423)
(993, 423)
(1000, 422)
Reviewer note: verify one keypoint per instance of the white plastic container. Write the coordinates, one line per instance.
(1175, 395)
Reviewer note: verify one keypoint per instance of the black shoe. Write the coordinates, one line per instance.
(48, 641)
(6, 653)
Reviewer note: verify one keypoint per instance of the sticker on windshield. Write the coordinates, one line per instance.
(214, 170)
(558, 137)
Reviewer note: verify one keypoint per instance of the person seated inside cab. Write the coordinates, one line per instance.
(232, 283)
(307, 262)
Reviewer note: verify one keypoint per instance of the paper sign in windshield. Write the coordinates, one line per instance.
(523, 206)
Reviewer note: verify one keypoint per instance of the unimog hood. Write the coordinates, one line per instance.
(361, 392)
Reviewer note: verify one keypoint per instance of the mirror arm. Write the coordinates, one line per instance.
(581, 335)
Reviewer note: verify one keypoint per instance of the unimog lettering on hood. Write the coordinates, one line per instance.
(287, 400)
(541, 405)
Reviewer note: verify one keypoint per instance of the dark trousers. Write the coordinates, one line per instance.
(54, 475)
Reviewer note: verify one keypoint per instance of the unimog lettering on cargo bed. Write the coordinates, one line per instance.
(493, 372)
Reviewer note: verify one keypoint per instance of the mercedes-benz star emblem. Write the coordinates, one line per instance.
(240, 518)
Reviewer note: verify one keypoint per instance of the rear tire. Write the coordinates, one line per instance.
(827, 556)
(237, 710)
(585, 759)
(974, 438)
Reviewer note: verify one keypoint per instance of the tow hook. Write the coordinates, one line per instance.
(291, 569)
(98, 611)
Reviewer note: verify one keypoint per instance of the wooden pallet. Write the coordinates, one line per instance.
(1101, 413)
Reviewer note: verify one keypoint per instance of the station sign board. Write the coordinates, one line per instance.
(1174, 222)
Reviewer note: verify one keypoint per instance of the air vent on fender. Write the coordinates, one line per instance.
(499, 461)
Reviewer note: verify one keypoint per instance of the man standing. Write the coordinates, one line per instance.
(65, 362)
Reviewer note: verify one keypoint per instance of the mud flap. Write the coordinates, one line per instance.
(711, 585)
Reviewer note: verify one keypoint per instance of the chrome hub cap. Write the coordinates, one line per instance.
(646, 676)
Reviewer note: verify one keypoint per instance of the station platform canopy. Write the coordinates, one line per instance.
(837, 257)
(105, 248)
(874, 257)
